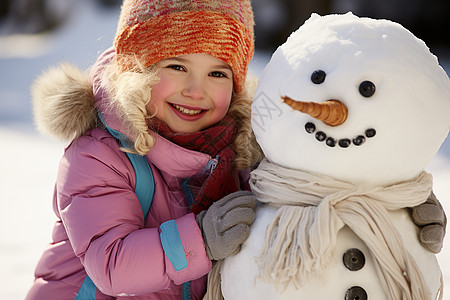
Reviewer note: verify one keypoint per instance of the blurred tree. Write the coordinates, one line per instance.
(427, 19)
(110, 3)
(32, 16)
(4, 8)
(275, 20)
(431, 23)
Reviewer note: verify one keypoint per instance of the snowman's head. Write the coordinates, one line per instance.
(379, 103)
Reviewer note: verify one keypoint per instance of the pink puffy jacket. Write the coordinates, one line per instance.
(101, 226)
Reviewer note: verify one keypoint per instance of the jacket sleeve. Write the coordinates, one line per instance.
(105, 224)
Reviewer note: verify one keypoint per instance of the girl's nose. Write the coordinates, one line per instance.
(194, 89)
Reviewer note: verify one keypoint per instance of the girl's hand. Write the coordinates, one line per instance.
(226, 224)
(431, 219)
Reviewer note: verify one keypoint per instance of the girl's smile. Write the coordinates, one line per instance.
(188, 113)
(193, 93)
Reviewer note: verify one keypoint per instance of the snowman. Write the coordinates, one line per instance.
(349, 111)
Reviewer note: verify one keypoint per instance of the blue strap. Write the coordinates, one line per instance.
(87, 291)
(145, 189)
(172, 245)
(187, 291)
(187, 191)
(145, 184)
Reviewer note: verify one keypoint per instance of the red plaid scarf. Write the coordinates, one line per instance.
(215, 141)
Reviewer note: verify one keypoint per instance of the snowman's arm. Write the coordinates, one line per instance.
(431, 219)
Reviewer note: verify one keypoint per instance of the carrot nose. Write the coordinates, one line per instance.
(331, 112)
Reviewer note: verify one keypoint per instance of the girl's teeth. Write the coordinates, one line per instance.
(187, 111)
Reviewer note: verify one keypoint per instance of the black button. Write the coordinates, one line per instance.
(354, 259)
(344, 143)
(359, 140)
(310, 127)
(356, 293)
(330, 142)
(321, 136)
(371, 132)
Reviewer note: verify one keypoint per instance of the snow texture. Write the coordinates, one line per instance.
(29, 161)
(350, 50)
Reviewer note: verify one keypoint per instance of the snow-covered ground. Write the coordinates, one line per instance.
(28, 161)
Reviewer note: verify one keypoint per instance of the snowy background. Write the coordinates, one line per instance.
(28, 160)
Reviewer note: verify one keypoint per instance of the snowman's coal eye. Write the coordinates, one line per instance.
(318, 76)
(367, 88)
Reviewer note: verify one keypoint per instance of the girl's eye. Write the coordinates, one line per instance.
(218, 74)
(176, 67)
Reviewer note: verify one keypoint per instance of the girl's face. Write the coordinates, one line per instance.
(194, 92)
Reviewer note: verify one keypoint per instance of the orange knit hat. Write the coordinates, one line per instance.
(152, 30)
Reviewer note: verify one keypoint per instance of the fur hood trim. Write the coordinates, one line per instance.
(63, 102)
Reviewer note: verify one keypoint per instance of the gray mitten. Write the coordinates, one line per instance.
(226, 224)
(431, 219)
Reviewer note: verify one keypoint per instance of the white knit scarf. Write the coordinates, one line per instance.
(313, 208)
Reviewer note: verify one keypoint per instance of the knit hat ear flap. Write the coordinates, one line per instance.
(151, 30)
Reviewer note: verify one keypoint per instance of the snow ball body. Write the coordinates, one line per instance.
(402, 119)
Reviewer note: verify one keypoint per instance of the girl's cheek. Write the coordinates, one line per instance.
(162, 89)
(165, 82)
(223, 102)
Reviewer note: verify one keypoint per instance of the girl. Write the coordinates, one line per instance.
(172, 91)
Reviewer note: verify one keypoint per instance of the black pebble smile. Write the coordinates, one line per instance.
(343, 143)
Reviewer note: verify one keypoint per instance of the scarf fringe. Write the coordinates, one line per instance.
(214, 291)
(312, 209)
(280, 260)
